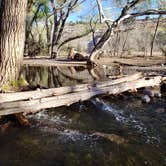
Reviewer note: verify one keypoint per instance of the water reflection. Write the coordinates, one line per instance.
(49, 77)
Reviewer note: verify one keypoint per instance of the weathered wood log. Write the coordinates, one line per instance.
(144, 62)
(68, 99)
(110, 137)
(30, 95)
(49, 62)
(126, 61)
(140, 62)
(148, 68)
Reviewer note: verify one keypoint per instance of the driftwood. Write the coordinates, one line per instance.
(148, 68)
(81, 60)
(110, 137)
(68, 99)
(41, 93)
(49, 62)
(132, 61)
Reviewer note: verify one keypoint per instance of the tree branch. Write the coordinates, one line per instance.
(102, 16)
(33, 19)
(74, 38)
(147, 12)
(69, 9)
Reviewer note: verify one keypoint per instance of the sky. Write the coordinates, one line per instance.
(89, 7)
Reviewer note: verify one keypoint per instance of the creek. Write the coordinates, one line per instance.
(64, 135)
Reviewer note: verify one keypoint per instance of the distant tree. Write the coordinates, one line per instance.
(52, 16)
(129, 10)
(61, 11)
(37, 15)
(154, 36)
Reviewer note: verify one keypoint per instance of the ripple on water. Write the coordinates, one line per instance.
(130, 120)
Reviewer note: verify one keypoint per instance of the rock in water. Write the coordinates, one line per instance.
(148, 92)
(152, 92)
(146, 99)
(157, 94)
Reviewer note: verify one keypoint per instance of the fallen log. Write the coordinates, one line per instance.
(49, 62)
(41, 93)
(140, 62)
(68, 99)
(144, 62)
(146, 68)
(110, 137)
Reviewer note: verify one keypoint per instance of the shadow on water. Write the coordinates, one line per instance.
(63, 136)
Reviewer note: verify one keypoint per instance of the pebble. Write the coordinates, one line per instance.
(157, 94)
(152, 92)
(146, 99)
(148, 92)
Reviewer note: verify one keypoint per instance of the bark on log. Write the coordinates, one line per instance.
(30, 95)
(68, 99)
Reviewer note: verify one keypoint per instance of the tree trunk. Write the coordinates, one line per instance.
(54, 51)
(12, 37)
(154, 36)
(48, 33)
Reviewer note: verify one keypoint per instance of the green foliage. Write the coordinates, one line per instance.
(5, 88)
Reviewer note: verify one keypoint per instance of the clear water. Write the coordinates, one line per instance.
(64, 136)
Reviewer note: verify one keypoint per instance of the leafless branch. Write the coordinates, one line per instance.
(74, 38)
(102, 16)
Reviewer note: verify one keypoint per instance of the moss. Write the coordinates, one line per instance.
(22, 81)
(5, 88)
(14, 84)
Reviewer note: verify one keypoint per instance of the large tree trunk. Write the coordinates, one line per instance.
(12, 37)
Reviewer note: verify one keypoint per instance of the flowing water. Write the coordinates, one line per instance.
(64, 135)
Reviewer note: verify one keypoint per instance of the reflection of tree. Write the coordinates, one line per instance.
(66, 75)
(53, 77)
(94, 73)
(42, 77)
(31, 76)
(49, 77)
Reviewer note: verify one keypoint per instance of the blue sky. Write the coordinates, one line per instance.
(110, 9)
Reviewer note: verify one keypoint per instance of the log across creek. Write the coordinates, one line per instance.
(34, 101)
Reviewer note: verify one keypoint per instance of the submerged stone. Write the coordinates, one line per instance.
(146, 99)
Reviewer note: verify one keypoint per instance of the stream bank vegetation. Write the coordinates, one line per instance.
(39, 33)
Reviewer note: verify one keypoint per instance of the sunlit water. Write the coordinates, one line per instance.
(63, 136)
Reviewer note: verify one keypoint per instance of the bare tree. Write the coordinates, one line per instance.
(154, 36)
(60, 17)
(123, 16)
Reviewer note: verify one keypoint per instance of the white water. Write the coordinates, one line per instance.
(128, 119)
